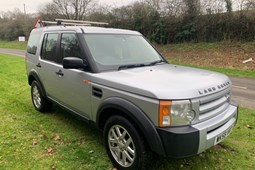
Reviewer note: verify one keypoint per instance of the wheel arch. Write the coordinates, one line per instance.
(118, 106)
(33, 76)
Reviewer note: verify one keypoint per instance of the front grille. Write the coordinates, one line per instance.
(211, 105)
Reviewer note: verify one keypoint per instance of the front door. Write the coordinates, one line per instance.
(65, 86)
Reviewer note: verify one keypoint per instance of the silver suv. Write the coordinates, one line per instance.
(117, 80)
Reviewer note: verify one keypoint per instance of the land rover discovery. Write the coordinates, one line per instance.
(116, 79)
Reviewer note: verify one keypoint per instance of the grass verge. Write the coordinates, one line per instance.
(224, 57)
(13, 45)
(58, 140)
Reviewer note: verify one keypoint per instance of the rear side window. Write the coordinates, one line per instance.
(49, 49)
(69, 46)
(33, 41)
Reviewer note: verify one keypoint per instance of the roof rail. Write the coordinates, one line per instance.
(40, 23)
(63, 23)
(76, 22)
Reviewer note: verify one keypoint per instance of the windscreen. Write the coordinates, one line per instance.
(110, 51)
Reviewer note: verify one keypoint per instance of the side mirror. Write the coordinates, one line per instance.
(74, 63)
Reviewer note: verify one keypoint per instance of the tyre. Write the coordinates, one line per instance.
(124, 145)
(40, 103)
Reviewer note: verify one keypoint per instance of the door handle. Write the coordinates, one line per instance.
(38, 65)
(60, 73)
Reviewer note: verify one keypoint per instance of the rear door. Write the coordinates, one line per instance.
(47, 64)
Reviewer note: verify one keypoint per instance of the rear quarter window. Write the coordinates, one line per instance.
(33, 41)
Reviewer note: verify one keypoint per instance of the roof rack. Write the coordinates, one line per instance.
(63, 23)
(40, 23)
(76, 22)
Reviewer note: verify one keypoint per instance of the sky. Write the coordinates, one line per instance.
(33, 5)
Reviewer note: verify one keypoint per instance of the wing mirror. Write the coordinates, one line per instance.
(74, 63)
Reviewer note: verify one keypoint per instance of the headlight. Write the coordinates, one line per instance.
(182, 113)
(175, 113)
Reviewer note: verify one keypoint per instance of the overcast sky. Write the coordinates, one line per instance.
(33, 5)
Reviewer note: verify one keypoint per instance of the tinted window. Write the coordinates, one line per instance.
(33, 41)
(69, 46)
(50, 47)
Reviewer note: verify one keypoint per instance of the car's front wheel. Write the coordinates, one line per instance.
(124, 145)
(40, 103)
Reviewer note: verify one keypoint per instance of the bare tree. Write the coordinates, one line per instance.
(250, 4)
(228, 4)
(173, 7)
(156, 4)
(49, 12)
(74, 9)
(212, 6)
(167, 7)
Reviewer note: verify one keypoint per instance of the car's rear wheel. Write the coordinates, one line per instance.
(40, 103)
(124, 145)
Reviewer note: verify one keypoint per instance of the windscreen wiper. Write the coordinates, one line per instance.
(130, 66)
(140, 65)
(156, 62)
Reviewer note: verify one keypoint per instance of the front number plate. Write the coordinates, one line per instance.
(223, 135)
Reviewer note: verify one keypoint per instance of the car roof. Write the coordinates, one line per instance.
(89, 30)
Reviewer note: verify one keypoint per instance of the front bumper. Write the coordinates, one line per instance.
(191, 140)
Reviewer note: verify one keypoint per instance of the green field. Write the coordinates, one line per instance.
(58, 140)
(13, 44)
(224, 57)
